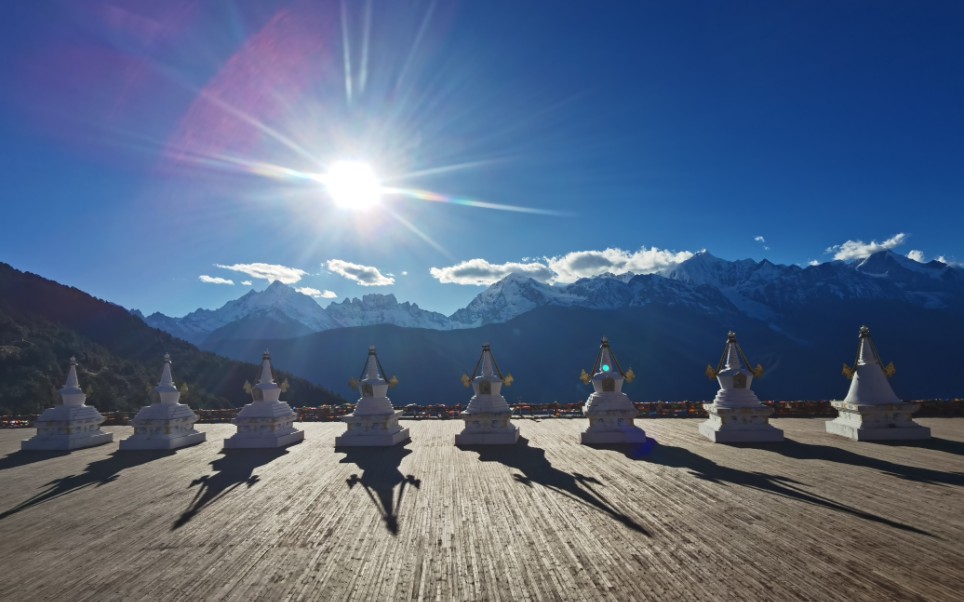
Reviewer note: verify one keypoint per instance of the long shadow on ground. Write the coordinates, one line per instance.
(22, 458)
(234, 468)
(935, 443)
(706, 469)
(96, 474)
(806, 451)
(536, 469)
(379, 478)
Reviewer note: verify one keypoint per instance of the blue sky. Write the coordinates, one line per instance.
(147, 145)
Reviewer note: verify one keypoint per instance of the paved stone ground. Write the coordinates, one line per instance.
(815, 518)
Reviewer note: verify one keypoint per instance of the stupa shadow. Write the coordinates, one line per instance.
(234, 468)
(536, 469)
(944, 445)
(379, 478)
(22, 458)
(706, 469)
(806, 451)
(98, 473)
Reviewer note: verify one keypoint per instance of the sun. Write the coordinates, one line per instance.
(353, 185)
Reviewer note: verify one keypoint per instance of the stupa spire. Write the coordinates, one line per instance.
(266, 376)
(487, 415)
(372, 370)
(732, 361)
(72, 382)
(167, 379)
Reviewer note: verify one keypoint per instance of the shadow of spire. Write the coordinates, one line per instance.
(98, 473)
(828, 453)
(705, 469)
(379, 478)
(536, 469)
(234, 468)
(944, 445)
(22, 458)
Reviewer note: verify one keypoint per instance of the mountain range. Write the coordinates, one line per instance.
(43, 324)
(801, 322)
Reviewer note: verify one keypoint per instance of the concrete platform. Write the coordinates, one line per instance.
(816, 517)
(626, 436)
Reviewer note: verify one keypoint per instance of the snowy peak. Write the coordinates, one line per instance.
(385, 309)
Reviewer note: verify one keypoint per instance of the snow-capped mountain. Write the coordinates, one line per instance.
(704, 284)
(385, 309)
(287, 313)
(279, 303)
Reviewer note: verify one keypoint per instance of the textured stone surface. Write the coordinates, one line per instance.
(816, 517)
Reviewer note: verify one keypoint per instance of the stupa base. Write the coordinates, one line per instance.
(881, 422)
(372, 439)
(487, 428)
(137, 443)
(65, 442)
(263, 440)
(611, 426)
(372, 430)
(739, 425)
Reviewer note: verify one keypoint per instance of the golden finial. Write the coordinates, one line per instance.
(393, 383)
(248, 387)
(890, 370)
(353, 383)
(466, 381)
(758, 371)
(585, 378)
(710, 372)
(847, 371)
(285, 385)
(630, 376)
(508, 380)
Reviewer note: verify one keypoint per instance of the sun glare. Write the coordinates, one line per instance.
(353, 185)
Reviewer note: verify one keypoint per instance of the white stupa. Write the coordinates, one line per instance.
(736, 415)
(72, 424)
(611, 414)
(166, 423)
(487, 415)
(266, 421)
(374, 421)
(871, 411)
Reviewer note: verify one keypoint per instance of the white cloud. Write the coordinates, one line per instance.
(365, 275)
(214, 280)
(317, 294)
(858, 249)
(246, 282)
(763, 241)
(267, 271)
(759, 239)
(813, 262)
(583, 264)
(404, 273)
(480, 272)
(564, 269)
(916, 255)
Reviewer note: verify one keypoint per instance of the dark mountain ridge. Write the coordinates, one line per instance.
(43, 324)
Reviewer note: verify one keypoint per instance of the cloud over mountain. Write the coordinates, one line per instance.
(267, 271)
(315, 293)
(365, 275)
(858, 249)
(563, 269)
(480, 272)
